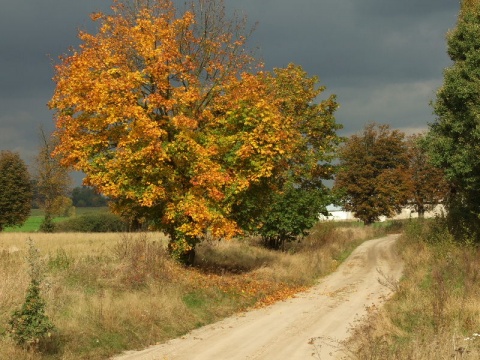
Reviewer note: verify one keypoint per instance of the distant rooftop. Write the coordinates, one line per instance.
(332, 207)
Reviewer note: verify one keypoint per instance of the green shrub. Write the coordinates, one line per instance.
(47, 224)
(98, 222)
(29, 326)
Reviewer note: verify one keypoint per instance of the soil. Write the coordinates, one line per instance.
(308, 326)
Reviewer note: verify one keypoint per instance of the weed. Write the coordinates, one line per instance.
(389, 282)
(29, 326)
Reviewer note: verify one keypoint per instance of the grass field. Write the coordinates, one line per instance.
(36, 217)
(107, 293)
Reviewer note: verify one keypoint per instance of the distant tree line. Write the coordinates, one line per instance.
(382, 171)
(81, 196)
(86, 196)
(15, 190)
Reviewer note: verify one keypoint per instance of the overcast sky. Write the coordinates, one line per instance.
(382, 58)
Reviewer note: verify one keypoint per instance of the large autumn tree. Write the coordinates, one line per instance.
(372, 178)
(454, 137)
(170, 117)
(15, 190)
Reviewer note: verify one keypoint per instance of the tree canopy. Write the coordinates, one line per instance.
(15, 190)
(454, 136)
(85, 196)
(427, 182)
(372, 178)
(170, 116)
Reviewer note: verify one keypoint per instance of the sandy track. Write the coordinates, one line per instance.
(298, 328)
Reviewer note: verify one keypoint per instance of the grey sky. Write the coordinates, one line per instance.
(382, 58)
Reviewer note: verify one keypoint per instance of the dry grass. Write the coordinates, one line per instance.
(435, 313)
(107, 293)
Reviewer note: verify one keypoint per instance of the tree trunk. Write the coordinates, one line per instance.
(421, 212)
(182, 249)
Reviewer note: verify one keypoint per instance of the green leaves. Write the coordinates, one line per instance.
(454, 136)
(291, 214)
(29, 326)
(15, 190)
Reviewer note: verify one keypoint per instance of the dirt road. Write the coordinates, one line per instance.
(299, 328)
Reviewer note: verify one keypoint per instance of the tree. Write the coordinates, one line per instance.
(288, 204)
(85, 196)
(53, 182)
(427, 182)
(291, 214)
(372, 177)
(171, 118)
(15, 190)
(454, 136)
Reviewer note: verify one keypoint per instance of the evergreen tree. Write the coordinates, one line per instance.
(15, 190)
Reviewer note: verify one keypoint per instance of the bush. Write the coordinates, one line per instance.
(99, 222)
(47, 224)
(29, 326)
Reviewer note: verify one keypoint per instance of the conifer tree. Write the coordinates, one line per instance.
(15, 190)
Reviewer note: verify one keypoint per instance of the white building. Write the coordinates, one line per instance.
(337, 213)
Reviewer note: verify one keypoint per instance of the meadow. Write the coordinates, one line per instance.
(36, 216)
(110, 292)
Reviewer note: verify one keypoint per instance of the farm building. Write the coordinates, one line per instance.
(337, 213)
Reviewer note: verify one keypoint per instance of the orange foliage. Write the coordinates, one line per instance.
(163, 115)
(265, 292)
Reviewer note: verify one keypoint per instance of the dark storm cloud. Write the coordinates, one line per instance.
(33, 33)
(410, 9)
(383, 58)
(32, 36)
(354, 39)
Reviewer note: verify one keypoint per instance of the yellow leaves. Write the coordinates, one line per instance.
(96, 16)
(249, 285)
(199, 217)
(156, 111)
(152, 194)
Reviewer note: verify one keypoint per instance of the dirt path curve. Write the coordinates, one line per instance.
(296, 328)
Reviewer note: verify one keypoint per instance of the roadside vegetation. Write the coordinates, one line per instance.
(434, 313)
(106, 293)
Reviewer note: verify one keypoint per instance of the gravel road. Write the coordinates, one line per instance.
(308, 326)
